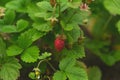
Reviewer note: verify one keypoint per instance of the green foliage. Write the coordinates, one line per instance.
(105, 25)
(74, 34)
(44, 5)
(14, 50)
(94, 73)
(8, 29)
(28, 37)
(118, 26)
(2, 47)
(69, 70)
(45, 27)
(45, 55)
(21, 25)
(9, 66)
(76, 52)
(18, 5)
(112, 6)
(31, 54)
(67, 27)
(10, 69)
(59, 75)
(32, 75)
(9, 16)
(29, 28)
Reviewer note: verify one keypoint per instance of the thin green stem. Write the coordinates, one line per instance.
(47, 62)
(40, 63)
(51, 65)
(108, 21)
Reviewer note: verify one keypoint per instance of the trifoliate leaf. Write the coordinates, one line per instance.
(21, 25)
(28, 37)
(9, 16)
(94, 73)
(72, 72)
(45, 27)
(10, 69)
(44, 5)
(112, 6)
(59, 75)
(14, 50)
(76, 73)
(45, 55)
(66, 63)
(31, 54)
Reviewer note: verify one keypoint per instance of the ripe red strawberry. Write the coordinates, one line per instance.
(59, 44)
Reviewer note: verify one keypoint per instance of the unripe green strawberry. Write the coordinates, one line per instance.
(59, 44)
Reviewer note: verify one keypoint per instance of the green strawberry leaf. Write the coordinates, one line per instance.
(94, 73)
(45, 27)
(28, 37)
(76, 73)
(72, 72)
(14, 50)
(74, 34)
(44, 5)
(112, 6)
(18, 5)
(59, 75)
(8, 29)
(9, 70)
(75, 3)
(45, 55)
(77, 51)
(67, 27)
(21, 25)
(118, 26)
(9, 16)
(32, 75)
(66, 63)
(31, 54)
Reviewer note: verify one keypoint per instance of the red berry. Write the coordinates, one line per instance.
(59, 44)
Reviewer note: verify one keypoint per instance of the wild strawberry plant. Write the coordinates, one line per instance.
(45, 34)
